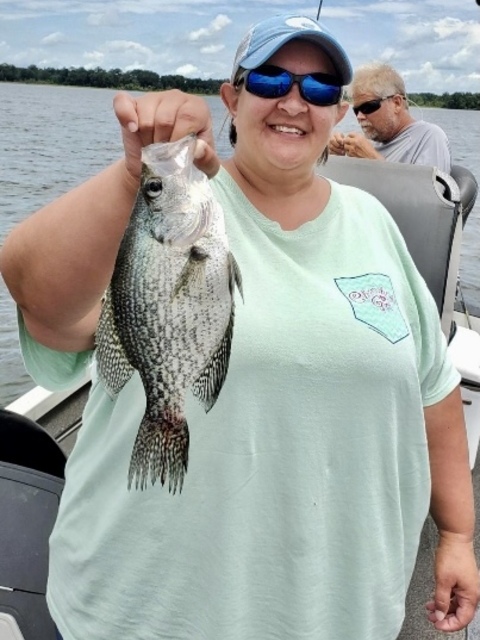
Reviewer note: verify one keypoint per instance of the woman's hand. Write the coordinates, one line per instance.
(457, 587)
(162, 117)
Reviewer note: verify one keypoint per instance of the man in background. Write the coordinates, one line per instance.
(389, 131)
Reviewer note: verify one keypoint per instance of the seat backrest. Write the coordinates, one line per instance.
(25, 443)
(468, 187)
(425, 204)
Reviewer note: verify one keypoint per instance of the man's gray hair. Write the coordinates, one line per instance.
(377, 78)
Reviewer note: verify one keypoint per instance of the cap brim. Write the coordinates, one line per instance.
(330, 46)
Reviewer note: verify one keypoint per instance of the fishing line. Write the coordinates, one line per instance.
(411, 102)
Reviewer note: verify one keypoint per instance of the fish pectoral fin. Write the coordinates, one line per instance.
(193, 270)
(208, 385)
(235, 275)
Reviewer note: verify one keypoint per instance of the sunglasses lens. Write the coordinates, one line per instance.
(274, 82)
(368, 107)
(268, 83)
(318, 92)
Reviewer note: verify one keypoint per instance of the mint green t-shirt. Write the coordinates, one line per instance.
(308, 482)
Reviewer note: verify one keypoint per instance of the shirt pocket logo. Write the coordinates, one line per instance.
(373, 302)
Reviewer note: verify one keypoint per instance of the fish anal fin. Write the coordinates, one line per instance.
(235, 275)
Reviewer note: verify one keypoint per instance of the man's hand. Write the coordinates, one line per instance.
(335, 146)
(356, 145)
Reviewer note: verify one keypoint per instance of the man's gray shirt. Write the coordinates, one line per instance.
(420, 143)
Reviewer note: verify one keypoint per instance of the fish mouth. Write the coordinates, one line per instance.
(291, 130)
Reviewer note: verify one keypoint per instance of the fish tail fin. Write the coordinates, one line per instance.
(160, 453)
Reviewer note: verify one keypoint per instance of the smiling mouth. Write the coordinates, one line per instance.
(281, 128)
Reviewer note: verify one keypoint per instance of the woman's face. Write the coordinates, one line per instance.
(286, 132)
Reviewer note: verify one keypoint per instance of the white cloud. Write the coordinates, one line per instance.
(127, 46)
(217, 24)
(186, 70)
(108, 18)
(212, 49)
(461, 57)
(450, 27)
(390, 8)
(96, 59)
(54, 38)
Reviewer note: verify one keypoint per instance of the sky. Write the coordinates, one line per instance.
(435, 45)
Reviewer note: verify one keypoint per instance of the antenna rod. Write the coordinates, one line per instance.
(319, 9)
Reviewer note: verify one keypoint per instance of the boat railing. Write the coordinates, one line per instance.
(37, 402)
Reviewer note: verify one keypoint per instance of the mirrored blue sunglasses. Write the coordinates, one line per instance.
(268, 81)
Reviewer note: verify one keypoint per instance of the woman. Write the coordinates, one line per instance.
(309, 481)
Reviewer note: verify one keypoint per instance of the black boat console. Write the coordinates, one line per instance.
(31, 482)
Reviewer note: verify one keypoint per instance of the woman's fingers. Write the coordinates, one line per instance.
(162, 117)
(206, 159)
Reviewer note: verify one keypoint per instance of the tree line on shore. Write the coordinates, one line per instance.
(134, 80)
(142, 80)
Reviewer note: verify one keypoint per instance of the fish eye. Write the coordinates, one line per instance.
(153, 187)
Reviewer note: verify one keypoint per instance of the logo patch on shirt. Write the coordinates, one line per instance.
(373, 302)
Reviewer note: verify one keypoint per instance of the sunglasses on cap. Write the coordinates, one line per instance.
(268, 81)
(371, 105)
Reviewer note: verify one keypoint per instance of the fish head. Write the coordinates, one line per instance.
(180, 202)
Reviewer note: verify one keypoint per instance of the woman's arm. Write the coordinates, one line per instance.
(456, 574)
(58, 263)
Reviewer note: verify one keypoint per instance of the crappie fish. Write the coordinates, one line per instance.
(169, 310)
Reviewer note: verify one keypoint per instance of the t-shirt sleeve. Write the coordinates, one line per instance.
(438, 375)
(433, 150)
(436, 371)
(54, 370)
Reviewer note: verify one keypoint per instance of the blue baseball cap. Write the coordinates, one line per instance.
(267, 36)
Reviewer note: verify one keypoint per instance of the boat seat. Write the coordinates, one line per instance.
(468, 187)
(25, 443)
(31, 482)
(425, 204)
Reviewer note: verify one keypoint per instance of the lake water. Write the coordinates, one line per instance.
(55, 137)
